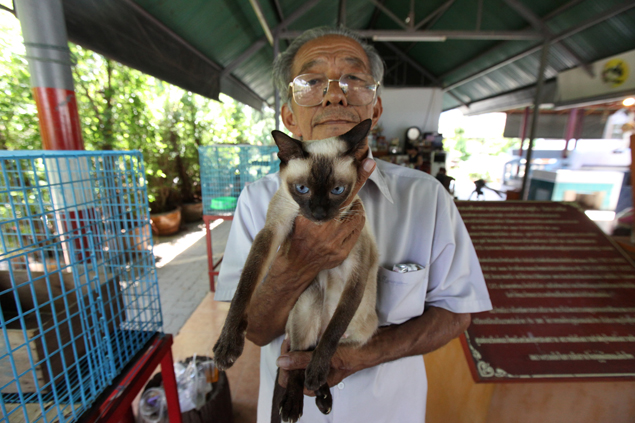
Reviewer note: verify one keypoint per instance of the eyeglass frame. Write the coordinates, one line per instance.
(328, 85)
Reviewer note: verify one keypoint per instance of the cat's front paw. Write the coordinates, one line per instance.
(227, 349)
(291, 406)
(316, 373)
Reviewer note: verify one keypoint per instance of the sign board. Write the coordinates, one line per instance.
(613, 75)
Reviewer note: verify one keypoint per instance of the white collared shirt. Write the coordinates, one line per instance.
(414, 220)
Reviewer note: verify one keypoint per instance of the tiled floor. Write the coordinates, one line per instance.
(182, 271)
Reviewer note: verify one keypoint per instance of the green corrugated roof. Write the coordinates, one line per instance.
(222, 30)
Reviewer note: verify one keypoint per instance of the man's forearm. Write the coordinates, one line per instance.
(273, 300)
(421, 335)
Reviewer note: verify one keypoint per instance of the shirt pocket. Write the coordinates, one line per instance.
(400, 296)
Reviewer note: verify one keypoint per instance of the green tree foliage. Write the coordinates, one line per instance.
(458, 143)
(18, 114)
(113, 103)
(123, 109)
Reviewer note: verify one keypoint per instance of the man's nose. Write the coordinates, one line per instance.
(334, 94)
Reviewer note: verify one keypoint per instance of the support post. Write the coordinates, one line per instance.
(524, 191)
(523, 135)
(276, 92)
(572, 124)
(46, 42)
(633, 184)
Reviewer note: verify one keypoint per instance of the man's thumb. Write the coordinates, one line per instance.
(293, 360)
(369, 166)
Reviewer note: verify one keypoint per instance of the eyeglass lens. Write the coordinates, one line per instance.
(310, 89)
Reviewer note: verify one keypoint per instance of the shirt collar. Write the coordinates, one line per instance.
(378, 178)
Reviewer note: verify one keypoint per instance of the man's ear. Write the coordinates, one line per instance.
(289, 148)
(377, 111)
(288, 119)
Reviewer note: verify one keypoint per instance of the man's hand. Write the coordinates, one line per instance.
(343, 364)
(312, 248)
(417, 336)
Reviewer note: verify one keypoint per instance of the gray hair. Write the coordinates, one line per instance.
(284, 62)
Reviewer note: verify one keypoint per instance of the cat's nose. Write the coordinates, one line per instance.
(318, 213)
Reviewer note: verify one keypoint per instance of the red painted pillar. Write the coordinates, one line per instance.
(46, 42)
(572, 129)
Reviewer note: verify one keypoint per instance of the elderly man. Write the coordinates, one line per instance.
(414, 221)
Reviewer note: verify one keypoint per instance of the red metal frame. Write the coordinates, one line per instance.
(114, 405)
(211, 266)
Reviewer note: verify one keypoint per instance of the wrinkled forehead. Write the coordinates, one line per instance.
(330, 50)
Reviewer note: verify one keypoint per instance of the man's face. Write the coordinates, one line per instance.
(334, 56)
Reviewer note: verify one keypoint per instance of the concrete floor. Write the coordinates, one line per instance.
(182, 271)
(191, 314)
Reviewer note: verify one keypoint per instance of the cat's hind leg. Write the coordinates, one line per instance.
(303, 329)
(320, 364)
(323, 399)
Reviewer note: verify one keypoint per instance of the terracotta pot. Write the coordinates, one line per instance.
(192, 212)
(167, 223)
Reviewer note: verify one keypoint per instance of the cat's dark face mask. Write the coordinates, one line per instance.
(321, 175)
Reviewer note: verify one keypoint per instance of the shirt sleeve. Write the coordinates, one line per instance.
(456, 281)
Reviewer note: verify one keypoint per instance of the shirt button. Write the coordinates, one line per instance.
(340, 385)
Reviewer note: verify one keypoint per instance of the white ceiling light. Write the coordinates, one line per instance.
(628, 101)
(409, 37)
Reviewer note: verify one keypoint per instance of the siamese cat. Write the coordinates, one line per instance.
(317, 177)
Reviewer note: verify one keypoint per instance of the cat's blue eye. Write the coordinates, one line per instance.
(302, 189)
(337, 190)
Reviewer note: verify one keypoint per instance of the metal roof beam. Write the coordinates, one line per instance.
(298, 13)
(621, 8)
(341, 17)
(479, 56)
(255, 47)
(421, 69)
(255, 4)
(278, 9)
(12, 11)
(389, 14)
(479, 14)
(540, 25)
(379, 35)
(262, 41)
(440, 10)
(376, 13)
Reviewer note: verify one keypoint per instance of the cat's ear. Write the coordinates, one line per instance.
(356, 138)
(290, 148)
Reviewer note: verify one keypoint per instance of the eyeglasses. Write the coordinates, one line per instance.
(309, 89)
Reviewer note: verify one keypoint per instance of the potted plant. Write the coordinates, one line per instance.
(160, 157)
(163, 196)
(187, 162)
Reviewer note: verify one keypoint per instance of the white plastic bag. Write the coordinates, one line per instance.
(192, 385)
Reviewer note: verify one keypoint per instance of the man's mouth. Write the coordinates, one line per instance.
(335, 116)
(334, 122)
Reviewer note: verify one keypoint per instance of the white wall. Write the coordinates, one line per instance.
(406, 107)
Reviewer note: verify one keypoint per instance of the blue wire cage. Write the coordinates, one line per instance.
(226, 169)
(78, 288)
